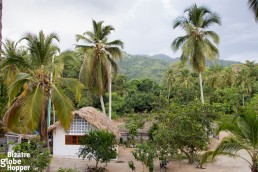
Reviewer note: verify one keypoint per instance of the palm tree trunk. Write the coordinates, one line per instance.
(169, 92)
(243, 99)
(102, 104)
(110, 94)
(201, 89)
(254, 161)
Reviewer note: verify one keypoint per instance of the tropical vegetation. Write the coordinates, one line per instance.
(244, 136)
(41, 85)
(33, 76)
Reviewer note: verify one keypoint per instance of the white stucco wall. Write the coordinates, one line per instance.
(59, 146)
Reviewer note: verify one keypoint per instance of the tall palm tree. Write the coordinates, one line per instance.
(245, 83)
(196, 45)
(244, 129)
(31, 88)
(100, 55)
(253, 5)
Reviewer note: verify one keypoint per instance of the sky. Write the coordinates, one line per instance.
(145, 26)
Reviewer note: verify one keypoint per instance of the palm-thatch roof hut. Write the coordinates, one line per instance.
(85, 119)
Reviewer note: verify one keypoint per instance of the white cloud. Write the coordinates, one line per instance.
(145, 26)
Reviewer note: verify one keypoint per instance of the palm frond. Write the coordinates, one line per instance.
(15, 88)
(117, 43)
(11, 118)
(178, 42)
(33, 107)
(72, 85)
(83, 38)
(63, 107)
(253, 5)
(210, 20)
(211, 34)
(206, 156)
(115, 52)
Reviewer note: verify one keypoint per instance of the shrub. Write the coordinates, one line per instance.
(99, 145)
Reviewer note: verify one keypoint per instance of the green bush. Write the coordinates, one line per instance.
(40, 157)
(98, 145)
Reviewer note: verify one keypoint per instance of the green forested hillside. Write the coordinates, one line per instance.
(154, 67)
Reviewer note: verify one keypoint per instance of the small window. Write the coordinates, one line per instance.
(72, 139)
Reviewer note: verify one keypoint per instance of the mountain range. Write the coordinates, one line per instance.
(144, 66)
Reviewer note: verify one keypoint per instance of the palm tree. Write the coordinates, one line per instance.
(185, 78)
(244, 129)
(229, 77)
(196, 45)
(215, 75)
(253, 5)
(100, 56)
(31, 88)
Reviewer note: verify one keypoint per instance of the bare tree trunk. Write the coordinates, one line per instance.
(102, 104)
(1, 80)
(110, 94)
(190, 161)
(201, 89)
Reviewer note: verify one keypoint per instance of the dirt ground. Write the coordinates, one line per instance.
(222, 163)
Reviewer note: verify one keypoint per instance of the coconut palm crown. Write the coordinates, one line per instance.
(32, 85)
(198, 43)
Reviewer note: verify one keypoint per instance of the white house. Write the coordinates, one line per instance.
(66, 143)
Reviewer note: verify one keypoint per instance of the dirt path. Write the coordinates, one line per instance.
(222, 164)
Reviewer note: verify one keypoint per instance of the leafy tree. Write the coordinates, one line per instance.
(131, 165)
(226, 101)
(196, 44)
(40, 157)
(29, 91)
(99, 145)
(164, 143)
(145, 153)
(173, 134)
(244, 129)
(99, 55)
(253, 5)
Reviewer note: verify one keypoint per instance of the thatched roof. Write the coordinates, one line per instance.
(147, 125)
(94, 117)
